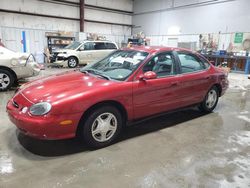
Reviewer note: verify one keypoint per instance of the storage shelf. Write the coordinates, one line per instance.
(236, 63)
(53, 46)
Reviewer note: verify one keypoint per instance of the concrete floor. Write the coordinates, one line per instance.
(183, 149)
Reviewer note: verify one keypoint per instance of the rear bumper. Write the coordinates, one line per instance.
(46, 127)
(26, 72)
(224, 86)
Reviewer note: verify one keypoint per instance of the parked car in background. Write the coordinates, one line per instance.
(94, 103)
(15, 66)
(82, 53)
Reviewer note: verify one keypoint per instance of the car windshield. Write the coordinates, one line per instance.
(73, 46)
(118, 65)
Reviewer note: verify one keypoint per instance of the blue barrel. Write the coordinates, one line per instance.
(247, 68)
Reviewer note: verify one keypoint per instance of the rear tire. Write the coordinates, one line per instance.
(72, 62)
(6, 80)
(102, 126)
(210, 101)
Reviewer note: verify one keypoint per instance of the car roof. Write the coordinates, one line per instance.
(97, 41)
(156, 49)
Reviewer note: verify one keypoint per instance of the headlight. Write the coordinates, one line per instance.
(62, 53)
(40, 108)
(15, 62)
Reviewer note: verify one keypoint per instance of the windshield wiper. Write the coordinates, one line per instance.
(104, 76)
(95, 72)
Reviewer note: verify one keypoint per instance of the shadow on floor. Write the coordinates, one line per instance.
(51, 148)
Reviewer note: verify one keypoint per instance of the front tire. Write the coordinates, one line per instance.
(6, 80)
(72, 62)
(101, 127)
(210, 101)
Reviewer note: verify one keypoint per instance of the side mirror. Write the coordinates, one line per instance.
(148, 75)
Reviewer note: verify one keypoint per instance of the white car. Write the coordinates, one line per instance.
(83, 53)
(15, 66)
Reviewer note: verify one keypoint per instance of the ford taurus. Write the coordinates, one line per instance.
(97, 101)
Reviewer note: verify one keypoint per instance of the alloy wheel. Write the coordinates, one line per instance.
(104, 127)
(72, 62)
(4, 81)
(211, 98)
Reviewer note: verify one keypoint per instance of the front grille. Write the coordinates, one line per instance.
(15, 104)
(60, 58)
(53, 57)
(55, 54)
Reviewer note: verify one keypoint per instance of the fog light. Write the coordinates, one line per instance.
(24, 110)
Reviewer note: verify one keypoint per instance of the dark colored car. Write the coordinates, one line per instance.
(95, 102)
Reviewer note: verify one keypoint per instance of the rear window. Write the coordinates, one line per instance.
(110, 45)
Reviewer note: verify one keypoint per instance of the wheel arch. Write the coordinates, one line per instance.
(74, 57)
(218, 86)
(10, 70)
(113, 103)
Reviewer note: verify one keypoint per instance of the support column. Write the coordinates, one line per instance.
(82, 3)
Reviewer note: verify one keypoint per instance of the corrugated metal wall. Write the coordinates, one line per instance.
(36, 40)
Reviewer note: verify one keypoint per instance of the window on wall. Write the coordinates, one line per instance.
(190, 63)
(162, 64)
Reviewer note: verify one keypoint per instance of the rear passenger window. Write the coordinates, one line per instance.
(110, 46)
(190, 63)
(100, 46)
(206, 64)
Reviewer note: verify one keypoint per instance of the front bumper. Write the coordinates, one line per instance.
(62, 63)
(59, 60)
(46, 127)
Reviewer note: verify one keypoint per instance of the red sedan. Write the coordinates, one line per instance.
(96, 101)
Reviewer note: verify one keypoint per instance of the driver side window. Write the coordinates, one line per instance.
(162, 64)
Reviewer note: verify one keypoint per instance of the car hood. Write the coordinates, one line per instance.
(64, 50)
(62, 86)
